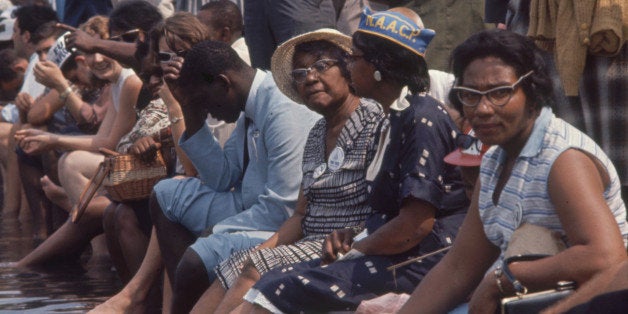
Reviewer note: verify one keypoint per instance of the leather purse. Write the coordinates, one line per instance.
(535, 302)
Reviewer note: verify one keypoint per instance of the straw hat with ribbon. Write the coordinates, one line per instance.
(281, 62)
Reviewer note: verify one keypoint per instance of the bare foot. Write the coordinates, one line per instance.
(119, 303)
(56, 193)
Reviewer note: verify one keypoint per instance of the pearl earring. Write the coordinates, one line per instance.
(377, 75)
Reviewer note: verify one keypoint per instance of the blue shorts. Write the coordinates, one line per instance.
(216, 248)
(197, 207)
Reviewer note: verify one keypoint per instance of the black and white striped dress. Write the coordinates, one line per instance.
(335, 199)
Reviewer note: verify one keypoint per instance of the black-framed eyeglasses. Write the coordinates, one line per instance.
(498, 96)
(320, 66)
(128, 36)
(166, 56)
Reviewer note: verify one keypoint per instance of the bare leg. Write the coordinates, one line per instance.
(133, 297)
(233, 297)
(108, 223)
(247, 307)
(55, 194)
(209, 301)
(12, 192)
(30, 172)
(174, 239)
(100, 253)
(75, 170)
(133, 242)
(189, 281)
(166, 304)
(70, 238)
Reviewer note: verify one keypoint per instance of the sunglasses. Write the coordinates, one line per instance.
(128, 36)
(498, 96)
(466, 141)
(320, 66)
(166, 56)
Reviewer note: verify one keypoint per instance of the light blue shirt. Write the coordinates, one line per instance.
(525, 197)
(266, 195)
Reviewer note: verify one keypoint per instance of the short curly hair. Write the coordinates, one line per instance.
(515, 50)
(206, 60)
(397, 64)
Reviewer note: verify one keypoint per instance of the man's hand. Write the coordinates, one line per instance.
(78, 39)
(49, 74)
(337, 242)
(24, 102)
(33, 141)
(146, 148)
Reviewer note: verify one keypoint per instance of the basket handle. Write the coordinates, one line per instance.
(108, 152)
(88, 192)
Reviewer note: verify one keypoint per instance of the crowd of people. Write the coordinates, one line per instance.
(317, 159)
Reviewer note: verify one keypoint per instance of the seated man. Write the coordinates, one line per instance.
(246, 190)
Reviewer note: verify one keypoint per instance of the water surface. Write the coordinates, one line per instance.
(64, 289)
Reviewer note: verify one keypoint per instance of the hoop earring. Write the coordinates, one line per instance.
(377, 75)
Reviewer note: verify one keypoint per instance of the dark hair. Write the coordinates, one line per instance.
(396, 63)
(320, 48)
(31, 17)
(515, 50)
(44, 31)
(225, 13)
(133, 14)
(206, 60)
(8, 57)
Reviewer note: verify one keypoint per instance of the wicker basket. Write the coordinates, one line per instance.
(125, 177)
(129, 179)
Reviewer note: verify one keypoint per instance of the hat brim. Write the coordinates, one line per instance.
(458, 158)
(281, 61)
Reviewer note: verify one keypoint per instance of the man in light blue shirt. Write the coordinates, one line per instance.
(245, 190)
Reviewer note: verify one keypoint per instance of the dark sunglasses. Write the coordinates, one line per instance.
(465, 141)
(166, 56)
(128, 36)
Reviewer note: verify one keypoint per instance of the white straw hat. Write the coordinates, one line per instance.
(281, 62)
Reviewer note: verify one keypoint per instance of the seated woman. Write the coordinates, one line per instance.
(312, 69)
(75, 102)
(81, 162)
(418, 199)
(540, 171)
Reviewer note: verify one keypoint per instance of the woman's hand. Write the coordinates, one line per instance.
(172, 68)
(486, 296)
(49, 74)
(337, 242)
(33, 141)
(145, 148)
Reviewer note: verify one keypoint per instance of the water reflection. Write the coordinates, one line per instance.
(66, 289)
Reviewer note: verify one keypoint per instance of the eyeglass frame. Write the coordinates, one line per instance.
(313, 68)
(486, 93)
(120, 37)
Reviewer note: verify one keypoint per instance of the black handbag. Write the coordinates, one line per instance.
(525, 302)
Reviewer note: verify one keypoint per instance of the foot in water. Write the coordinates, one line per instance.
(56, 194)
(119, 303)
